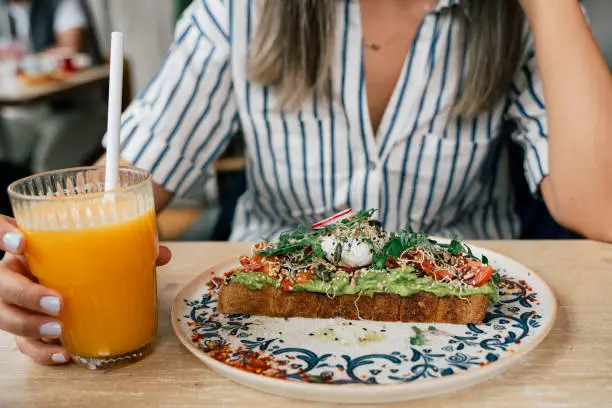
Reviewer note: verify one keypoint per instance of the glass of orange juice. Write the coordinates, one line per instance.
(98, 250)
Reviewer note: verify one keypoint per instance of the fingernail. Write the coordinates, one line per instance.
(50, 304)
(58, 358)
(12, 240)
(50, 330)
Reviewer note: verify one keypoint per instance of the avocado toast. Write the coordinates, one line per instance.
(355, 270)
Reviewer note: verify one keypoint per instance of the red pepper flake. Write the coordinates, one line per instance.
(247, 360)
(522, 282)
(517, 342)
(482, 364)
(215, 283)
(364, 377)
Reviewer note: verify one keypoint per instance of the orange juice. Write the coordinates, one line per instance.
(97, 249)
(106, 276)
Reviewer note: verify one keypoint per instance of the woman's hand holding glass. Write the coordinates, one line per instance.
(28, 310)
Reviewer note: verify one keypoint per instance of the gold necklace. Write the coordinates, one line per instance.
(376, 46)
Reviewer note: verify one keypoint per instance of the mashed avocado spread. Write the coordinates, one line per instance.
(402, 281)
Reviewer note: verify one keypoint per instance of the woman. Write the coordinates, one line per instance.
(391, 104)
(41, 26)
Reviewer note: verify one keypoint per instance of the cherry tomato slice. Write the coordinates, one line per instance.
(435, 271)
(259, 246)
(268, 264)
(430, 268)
(305, 276)
(482, 273)
(250, 264)
(286, 285)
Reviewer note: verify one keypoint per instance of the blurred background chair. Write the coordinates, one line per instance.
(600, 17)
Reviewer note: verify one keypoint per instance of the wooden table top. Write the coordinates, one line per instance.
(571, 368)
(18, 94)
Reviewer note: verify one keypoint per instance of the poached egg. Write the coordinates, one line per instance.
(353, 253)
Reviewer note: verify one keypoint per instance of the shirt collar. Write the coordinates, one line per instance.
(445, 4)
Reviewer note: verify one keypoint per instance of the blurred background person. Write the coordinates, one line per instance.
(39, 136)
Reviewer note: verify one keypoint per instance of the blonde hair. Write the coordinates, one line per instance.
(293, 49)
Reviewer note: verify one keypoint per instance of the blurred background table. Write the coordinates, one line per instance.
(571, 368)
(18, 94)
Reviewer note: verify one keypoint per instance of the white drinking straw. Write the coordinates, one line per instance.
(115, 90)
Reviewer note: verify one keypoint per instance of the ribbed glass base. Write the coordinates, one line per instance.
(109, 362)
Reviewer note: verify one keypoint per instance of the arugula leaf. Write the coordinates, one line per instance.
(316, 249)
(485, 260)
(378, 260)
(455, 248)
(496, 278)
(418, 339)
(403, 240)
(469, 253)
(286, 246)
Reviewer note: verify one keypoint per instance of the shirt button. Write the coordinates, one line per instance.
(372, 166)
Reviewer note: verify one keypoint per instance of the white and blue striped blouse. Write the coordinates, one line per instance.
(426, 168)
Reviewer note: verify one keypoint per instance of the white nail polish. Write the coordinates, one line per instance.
(58, 358)
(12, 240)
(50, 304)
(50, 330)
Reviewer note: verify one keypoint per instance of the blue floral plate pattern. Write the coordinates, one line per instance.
(336, 360)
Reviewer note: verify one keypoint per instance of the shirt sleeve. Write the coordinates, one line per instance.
(186, 116)
(528, 109)
(69, 15)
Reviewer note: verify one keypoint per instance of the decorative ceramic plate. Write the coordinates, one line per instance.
(335, 360)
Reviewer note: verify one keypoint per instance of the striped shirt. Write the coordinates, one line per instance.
(425, 168)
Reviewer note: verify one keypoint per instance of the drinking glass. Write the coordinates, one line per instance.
(97, 249)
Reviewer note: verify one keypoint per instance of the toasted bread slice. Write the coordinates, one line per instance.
(422, 307)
